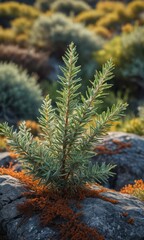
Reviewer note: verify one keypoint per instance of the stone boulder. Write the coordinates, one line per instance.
(124, 220)
(126, 151)
(6, 161)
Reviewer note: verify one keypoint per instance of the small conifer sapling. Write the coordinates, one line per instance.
(60, 158)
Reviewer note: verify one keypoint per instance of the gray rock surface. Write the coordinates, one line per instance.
(108, 218)
(10, 220)
(128, 157)
(6, 161)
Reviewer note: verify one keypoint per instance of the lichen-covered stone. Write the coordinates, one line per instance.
(124, 220)
(126, 151)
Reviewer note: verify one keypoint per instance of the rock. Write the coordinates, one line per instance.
(11, 221)
(6, 161)
(124, 220)
(126, 151)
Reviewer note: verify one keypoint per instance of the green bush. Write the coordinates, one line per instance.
(58, 31)
(127, 52)
(69, 7)
(20, 96)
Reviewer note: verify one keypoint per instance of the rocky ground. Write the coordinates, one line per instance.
(122, 221)
(126, 151)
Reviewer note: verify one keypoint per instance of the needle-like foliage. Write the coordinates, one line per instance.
(61, 156)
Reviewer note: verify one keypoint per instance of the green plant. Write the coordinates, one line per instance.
(20, 96)
(127, 53)
(60, 158)
(69, 7)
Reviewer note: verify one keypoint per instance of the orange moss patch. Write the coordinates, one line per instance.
(130, 221)
(33, 126)
(104, 150)
(51, 205)
(131, 189)
(125, 214)
(13, 155)
(28, 181)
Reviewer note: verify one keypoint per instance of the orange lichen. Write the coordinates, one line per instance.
(125, 214)
(130, 221)
(74, 229)
(13, 155)
(104, 150)
(51, 205)
(131, 189)
(35, 129)
(27, 180)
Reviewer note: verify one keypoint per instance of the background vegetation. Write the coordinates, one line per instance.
(35, 34)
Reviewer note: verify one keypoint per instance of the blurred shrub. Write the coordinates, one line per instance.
(110, 6)
(112, 21)
(58, 31)
(127, 28)
(137, 189)
(115, 14)
(51, 89)
(33, 126)
(111, 49)
(22, 40)
(89, 17)
(113, 97)
(30, 2)
(132, 57)
(141, 111)
(21, 25)
(3, 144)
(32, 61)
(11, 10)
(135, 126)
(7, 36)
(20, 96)
(101, 31)
(127, 53)
(135, 8)
(21, 28)
(43, 5)
(69, 7)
